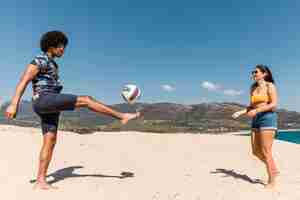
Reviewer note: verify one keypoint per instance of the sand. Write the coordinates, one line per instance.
(142, 166)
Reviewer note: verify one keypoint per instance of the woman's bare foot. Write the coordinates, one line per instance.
(44, 186)
(270, 185)
(129, 116)
(276, 174)
(272, 182)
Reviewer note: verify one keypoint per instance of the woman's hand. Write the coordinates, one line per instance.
(239, 113)
(252, 113)
(236, 114)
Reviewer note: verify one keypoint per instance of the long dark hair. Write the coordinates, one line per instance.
(267, 78)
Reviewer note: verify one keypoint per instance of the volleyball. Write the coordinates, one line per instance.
(130, 93)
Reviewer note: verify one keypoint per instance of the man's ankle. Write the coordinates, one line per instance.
(41, 180)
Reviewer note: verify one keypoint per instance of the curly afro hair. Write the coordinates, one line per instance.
(53, 39)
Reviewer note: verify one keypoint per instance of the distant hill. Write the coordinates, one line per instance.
(157, 117)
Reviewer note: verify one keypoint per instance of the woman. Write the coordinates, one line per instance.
(263, 102)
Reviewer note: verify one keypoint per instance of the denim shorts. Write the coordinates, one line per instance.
(48, 107)
(265, 120)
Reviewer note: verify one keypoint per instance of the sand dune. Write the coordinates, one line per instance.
(142, 166)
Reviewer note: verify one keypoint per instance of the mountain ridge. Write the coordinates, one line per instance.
(163, 117)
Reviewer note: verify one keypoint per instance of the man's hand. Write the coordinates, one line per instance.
(11, 111)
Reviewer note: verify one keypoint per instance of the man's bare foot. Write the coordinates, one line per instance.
(129, 116)
(44, 186)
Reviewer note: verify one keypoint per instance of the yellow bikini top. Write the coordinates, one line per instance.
(258, 98)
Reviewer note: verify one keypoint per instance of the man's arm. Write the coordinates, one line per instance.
(30, 72)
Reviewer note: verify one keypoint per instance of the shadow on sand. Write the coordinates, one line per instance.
(68, 172)
(232, 173)
(242, 134)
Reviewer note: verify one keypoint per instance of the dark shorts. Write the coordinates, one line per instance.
(48, 107)
(265, 120)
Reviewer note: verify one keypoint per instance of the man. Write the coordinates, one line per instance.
(48, 101)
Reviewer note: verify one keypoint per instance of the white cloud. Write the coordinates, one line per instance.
(210, 86)
(231, 92)
(168, 88)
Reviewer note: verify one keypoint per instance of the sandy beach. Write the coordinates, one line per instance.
(142, 166)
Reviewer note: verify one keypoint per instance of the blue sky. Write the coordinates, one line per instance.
(176, 51)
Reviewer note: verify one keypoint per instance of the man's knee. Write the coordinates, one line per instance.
(84, 100)
(50, 139)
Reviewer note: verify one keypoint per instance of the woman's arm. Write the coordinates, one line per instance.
(244, 111)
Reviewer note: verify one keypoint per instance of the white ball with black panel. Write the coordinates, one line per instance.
(130, 93)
